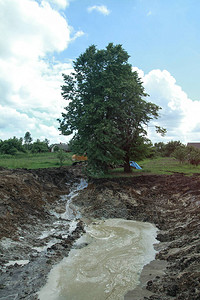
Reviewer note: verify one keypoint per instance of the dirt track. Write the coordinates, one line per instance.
(172, 202)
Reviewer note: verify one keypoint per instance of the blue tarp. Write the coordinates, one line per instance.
(135, 165)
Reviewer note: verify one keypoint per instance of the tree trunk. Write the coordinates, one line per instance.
(127, 167)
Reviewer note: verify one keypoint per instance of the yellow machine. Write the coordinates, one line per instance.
(76, 157)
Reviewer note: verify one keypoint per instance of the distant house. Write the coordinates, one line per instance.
(61, 146)
(195, 145)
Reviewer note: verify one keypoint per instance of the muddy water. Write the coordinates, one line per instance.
(107, 267)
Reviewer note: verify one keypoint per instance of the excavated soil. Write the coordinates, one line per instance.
(30, 200)
(172, 203)
(33, 234)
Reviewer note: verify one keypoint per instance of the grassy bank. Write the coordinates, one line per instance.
(161, 165)
(33, 161)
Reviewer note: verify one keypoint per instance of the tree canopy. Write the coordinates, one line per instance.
(11, 146)
(107, 110)
(27, 139)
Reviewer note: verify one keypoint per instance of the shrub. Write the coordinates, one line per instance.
(61, 157)
(193, 156)
(180, 153)
(39, 147)
(11, 146)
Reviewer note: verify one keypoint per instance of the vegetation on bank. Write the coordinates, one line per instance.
(157, 165)
(160, 158)
(34, 160)
(160, 165)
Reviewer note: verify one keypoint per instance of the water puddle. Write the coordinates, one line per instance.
(107, 267)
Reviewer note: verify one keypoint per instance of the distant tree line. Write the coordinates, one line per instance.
(183, 153)
(15, 145)
(166, 150)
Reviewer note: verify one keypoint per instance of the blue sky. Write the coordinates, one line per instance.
(157, 34)
(41, 38)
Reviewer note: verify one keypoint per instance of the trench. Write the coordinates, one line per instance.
(106, 261)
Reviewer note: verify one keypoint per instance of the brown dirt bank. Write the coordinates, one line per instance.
(172, 202)
(32, 229)
(27, 195)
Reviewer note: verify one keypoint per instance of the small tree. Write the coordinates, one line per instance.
(193, 156)
(61, 157)
(27, 140)
(171, 147)
(180, 153)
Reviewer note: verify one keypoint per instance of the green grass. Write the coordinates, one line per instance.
(33, 161)
(161, 165)
(168, 165)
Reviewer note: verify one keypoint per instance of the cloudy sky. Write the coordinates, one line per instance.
(40, 39)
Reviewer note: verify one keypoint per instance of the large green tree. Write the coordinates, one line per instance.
(107, 110)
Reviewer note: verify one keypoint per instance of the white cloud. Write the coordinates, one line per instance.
(77, 35)
(179, 114)
(31, 30)
(60, 4)
(14, 122)
(100, 8)
(30, 78)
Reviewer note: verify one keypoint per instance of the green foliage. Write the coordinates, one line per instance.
(106, 111)
(39, 147)
(33, 160)
(161, 130)
(187, 154)
(27, 140)
(11, 146)
(56, 149)
(167, 165)
(160, 148)
(180, 153)
(61, 157)
(193, 156)
(166, 150)
(171, 147)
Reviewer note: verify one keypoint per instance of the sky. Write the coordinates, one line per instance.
(40, 39)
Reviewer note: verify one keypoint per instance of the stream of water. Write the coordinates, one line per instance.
(107, 267)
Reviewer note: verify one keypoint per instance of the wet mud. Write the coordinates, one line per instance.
(172, 203)
(31, 204)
